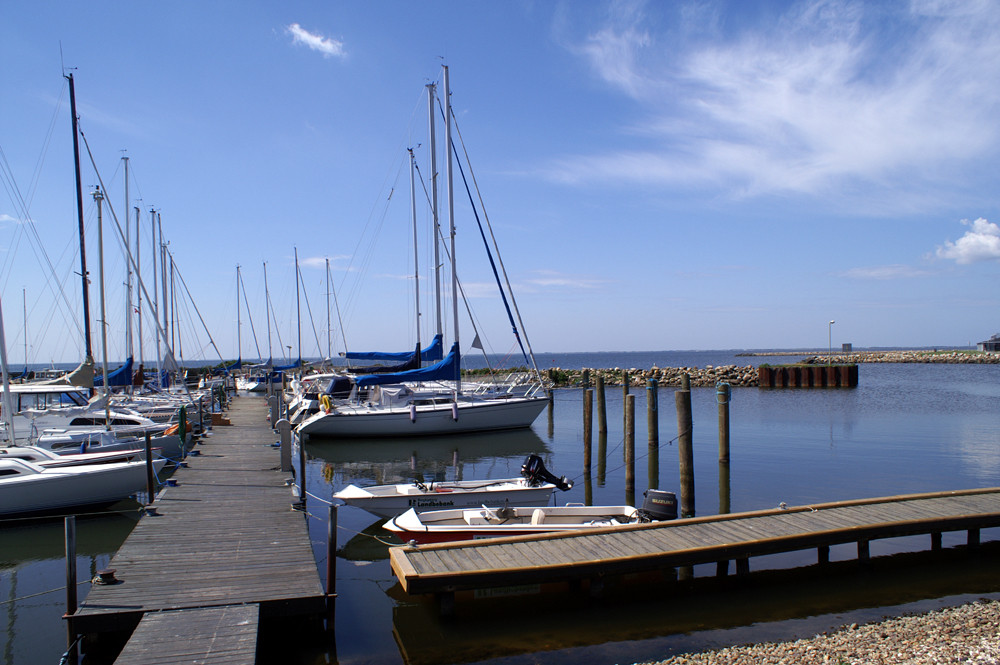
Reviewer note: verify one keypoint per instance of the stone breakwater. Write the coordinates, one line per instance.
(747, 376)
(964, 634)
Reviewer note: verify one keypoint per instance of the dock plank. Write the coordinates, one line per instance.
(213, 636)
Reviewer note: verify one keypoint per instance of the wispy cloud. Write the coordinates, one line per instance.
(550, 279)
(895, 271)
(4, 217)
(980, 243)
(831, 96)
(328, 46)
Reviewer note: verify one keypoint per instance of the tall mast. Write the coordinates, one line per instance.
(451, 220)
(99, 198)
(298, 314)
(156, 303)
(163, 285)
(8, 402)
(88, 349)
(329, 345)
(128, 272)
(239, 341)
(267, 310)
(24, 299)
(416, 253)
(431, 92)
(138, 294)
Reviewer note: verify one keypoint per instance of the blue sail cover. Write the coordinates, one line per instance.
(446, 370)
(281, 368)
(118, 378)
(238, 364)
(433, 352)
(412, 362)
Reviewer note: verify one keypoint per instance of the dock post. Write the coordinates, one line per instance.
(182, 430)
(302, 472)
(272, 409)
(630, 449)
(285, 436)
(723, 393)
(71, 604)
(685, 450)
(331, 552)
(588, 427)
(653, 429)
(625, 391)
(585, 378)
(150, 483)
(551, 403)
(602, 407)
(602, 457)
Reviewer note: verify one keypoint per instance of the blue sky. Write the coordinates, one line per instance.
(658, 175)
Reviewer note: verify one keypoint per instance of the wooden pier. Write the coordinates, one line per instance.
(572, 557)
(225, 542)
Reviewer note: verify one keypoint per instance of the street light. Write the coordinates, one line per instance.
(829, 355)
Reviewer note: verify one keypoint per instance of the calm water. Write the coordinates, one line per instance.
(906, 428)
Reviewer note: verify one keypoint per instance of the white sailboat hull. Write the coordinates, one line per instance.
(424, 420)
(392, 500)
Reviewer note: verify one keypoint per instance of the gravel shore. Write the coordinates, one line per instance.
(964, 634)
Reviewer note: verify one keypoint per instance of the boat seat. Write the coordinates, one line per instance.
(537, 516)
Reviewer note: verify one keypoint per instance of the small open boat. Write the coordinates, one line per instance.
(533, 488)
(439, 526)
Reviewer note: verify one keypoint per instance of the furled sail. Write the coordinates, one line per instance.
(445, 370)
(118, 378)
(432, 353)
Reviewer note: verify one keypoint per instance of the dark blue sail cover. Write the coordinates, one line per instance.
(411, 362)
(118, 378)
(281, 368)
(445, 370)
(432, 352)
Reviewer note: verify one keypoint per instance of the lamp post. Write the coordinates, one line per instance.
(829, 355)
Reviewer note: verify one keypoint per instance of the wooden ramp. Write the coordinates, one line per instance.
(212, 636)
(481, 564)
(225, 535)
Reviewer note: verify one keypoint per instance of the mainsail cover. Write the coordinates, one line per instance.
(412, 362)
(431, 353)
(118, 378)
(445, 370)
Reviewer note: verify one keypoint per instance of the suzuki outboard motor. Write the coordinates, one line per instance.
(536, 474)
(658, 505)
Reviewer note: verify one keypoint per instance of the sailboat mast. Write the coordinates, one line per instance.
(156, 303)
(8, 402)
(416, 253)
(138, 299)
(451, 220)
(163, 285)
(431, 92)
(128, 272)
(267, 311)
(329, 345)
(99, 199)
(24, 304)
(298, 312)
(239, 340)
(88, 348)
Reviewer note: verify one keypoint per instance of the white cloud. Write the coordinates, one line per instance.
(833, 95)
(4, 217)
(553, 279)
(980, 243)
(328, 46)
(895, 271)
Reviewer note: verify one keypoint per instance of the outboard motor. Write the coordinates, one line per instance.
(658, 505)
(536, 474)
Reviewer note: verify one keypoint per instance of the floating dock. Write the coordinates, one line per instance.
(225, 542)
(446, 568)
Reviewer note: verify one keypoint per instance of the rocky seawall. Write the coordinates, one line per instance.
(747, 375)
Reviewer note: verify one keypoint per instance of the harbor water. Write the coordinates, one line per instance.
(906, 428)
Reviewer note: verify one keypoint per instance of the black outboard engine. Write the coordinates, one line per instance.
(536, 474)
(658, 505)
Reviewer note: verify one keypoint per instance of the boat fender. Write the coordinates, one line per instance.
(324, 401)
(413, 413)
(454, 411)
(83, 447)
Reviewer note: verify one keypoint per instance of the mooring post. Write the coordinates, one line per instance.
(585, 378)
(150, 483)
(302, 473)
(602, 408)
(272, 409)
(551, 402)
(331, 552)
(182, 430)
(723, 393)
(653, 429)
(285, 437)
(630, 449)
(625, 387)
(685, 450)
(70, 529)
(602, 457)
(588, 427)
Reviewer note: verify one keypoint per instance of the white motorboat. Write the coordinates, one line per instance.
(47, 458)
(26, 487)
(533, 488)
(485, 522)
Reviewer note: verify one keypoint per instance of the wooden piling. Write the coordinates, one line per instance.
(653, 429)
(685, 449)
(588, 426)
(602, 408)
(602, 458)
(625, 391)
(722, 396)
(585, 378)
(331, 552)
(69, 523)
(150, 482)
(630, 449)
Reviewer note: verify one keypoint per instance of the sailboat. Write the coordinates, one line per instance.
(427, 400)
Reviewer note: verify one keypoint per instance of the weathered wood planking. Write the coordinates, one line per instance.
(212, 636)
(448, 567)
(226, 535)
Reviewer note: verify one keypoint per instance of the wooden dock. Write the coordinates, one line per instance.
(225, 538)
(482, 564)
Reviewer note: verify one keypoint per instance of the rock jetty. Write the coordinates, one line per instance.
(747, 375)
